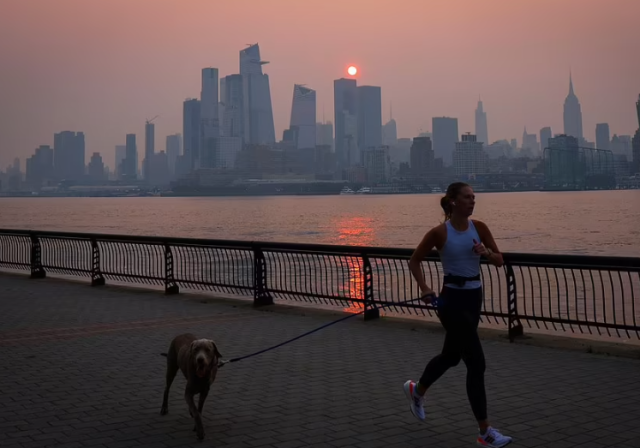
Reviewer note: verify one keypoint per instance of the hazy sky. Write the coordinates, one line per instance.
(103, 66)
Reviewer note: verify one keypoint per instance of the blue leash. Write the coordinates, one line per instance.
(435, 302)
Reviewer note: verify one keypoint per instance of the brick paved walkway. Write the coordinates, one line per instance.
(80, 366)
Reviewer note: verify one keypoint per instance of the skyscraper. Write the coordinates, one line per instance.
(303, 116)
(95, 169)
(469, 156)
(621, 145)
(258, 113)
(445, 137)
(69, 155)
(191, 132)
(635, 144)
(209, 103)
(572, 114)
(210, 130)
(149, 149)
(603, 138)
(250, 62)
(324, 134)
(369, 117)
(545, 135)
(233, 104)
(130, 164)
(421, 157)
(376, 163)
(530, 146)
(345, 105)
(121, 154)
(221, 97)
(172, 149)
(635, 153)
(159, 169)
(390, 133)
(39, 168)
(482, 132)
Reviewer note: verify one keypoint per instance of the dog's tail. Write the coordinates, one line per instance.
(164, 354)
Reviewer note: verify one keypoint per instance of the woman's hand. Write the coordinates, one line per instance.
(479, 249)
(491, 251)
(427, 296)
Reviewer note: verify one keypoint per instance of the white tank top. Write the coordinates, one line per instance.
(457, 255)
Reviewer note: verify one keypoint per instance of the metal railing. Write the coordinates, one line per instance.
(594, 295)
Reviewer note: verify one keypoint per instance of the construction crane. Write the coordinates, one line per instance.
(150, 121)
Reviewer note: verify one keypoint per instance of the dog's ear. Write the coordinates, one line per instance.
(192, 351)
(215, 349)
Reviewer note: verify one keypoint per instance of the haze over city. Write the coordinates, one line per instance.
(244, 174)
(104, 67)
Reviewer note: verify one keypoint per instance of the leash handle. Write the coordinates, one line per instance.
(435, 299)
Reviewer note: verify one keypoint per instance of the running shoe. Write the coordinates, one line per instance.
(415, 400)
(493, 439)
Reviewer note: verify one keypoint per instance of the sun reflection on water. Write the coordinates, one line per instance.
(355, 231)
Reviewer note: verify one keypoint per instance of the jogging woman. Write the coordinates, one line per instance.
(461, 242)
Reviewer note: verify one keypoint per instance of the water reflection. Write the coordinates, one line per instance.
(354, 231)
(356, 284)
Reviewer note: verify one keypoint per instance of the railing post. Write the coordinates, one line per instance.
(96, 274)
(515, 326)
(261, 296)
(170, 285)
(37, 271)
(371, 311)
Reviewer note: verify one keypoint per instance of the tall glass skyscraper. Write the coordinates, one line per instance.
(445, 137)
(572, 114)
(345, 103)
(369, 117)
(257, 110)
(303, 116)
(191, 125)
(482, 130)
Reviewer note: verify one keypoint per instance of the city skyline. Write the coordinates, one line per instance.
(249, 57)
(435, 86)
(365, 132)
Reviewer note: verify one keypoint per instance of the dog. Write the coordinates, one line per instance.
(198, 360)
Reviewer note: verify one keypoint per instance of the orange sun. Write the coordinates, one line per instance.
(352, 70)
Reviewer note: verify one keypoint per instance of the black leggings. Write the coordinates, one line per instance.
(460, 315)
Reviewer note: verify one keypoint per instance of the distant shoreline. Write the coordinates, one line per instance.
(235, 194)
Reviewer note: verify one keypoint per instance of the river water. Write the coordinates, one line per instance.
(595, 223)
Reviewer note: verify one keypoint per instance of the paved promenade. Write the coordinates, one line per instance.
(80, 367)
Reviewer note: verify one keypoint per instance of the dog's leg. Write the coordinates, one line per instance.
(203, 397)
(172, 370)
(199, 428)
(201, 400)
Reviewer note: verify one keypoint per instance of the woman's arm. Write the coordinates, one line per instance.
(491, 251)
(430, 240)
